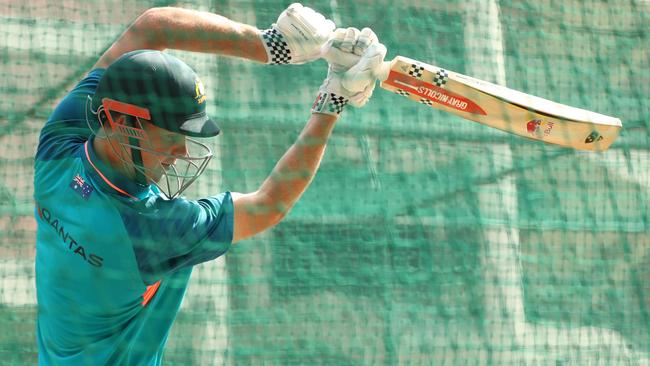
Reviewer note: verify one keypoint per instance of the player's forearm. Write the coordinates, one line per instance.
(264, 208)
(191, 30)
(296, 169)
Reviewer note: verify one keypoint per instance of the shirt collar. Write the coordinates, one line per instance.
(109, 178)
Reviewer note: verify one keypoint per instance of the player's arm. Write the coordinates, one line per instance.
(259, 210)
(297, 36)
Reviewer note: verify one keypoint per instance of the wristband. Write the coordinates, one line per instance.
(277, 50)
(329, 103)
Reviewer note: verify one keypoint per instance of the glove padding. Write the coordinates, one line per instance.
(345, 47)
(361, 77)
(355, 58)
(297, 37)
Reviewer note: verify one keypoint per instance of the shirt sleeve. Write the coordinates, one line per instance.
(66, 127)
(168, 235)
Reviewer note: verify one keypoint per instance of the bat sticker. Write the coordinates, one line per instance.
(416, 71)
(594, 136)
(433, 93)
(440, 78)
(402, 92)
(539, 128)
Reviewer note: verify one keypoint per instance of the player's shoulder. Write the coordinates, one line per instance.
(89, 83)
(67, 125)
(75, 101)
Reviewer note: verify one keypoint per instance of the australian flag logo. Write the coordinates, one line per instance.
(80, 186)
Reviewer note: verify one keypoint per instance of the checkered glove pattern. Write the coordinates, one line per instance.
(276, 47)
(329, 103)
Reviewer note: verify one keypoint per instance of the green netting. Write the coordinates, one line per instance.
(424, 239)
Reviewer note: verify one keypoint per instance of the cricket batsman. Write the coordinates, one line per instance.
(116, 240)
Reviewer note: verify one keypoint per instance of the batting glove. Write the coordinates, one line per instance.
(297, 37)
(354, 58)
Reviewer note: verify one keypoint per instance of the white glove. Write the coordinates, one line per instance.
(361, 77)
(354, 61)
(297, 37)
(345, 47)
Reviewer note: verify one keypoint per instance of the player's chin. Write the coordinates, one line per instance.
(158, 173)
(155, 176)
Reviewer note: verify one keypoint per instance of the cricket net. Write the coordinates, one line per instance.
(425, 238)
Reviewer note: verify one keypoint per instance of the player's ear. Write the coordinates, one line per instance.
(105, 129)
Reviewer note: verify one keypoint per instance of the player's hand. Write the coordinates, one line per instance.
(361, 77)
(354, 58)
(298, 36)
(345, 47)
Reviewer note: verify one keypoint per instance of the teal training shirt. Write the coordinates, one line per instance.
(113, 258)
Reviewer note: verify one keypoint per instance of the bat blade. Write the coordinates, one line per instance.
(500, 107)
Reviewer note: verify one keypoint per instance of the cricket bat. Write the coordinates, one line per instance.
(499, 107)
